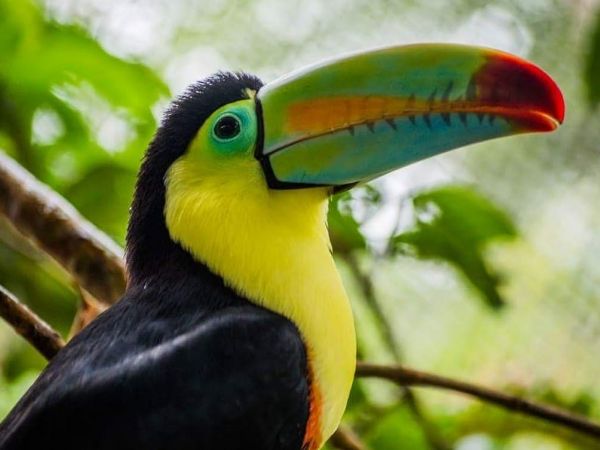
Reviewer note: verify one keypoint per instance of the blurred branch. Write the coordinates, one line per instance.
(365, 283)
(409, 377)
(345, 439)
(89, 308)
(96, 264)
(368, 290)
(56, 227)
(26, 323)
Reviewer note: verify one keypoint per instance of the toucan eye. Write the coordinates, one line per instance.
(231, 130)
(227, 127)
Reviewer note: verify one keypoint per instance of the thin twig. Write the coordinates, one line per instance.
(346, 439)
(410, 377)
(26, 323)
(96, 264)
(367, 286)
(89, 308)
(56, 227)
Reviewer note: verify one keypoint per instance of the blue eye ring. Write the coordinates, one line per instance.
(227, 127)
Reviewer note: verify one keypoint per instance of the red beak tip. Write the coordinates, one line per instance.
(530, 87)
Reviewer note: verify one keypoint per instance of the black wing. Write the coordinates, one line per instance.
(235, 381)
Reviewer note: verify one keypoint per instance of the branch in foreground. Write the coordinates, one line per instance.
(96, 264)
(57, 228)
(48, 342)
(409, 377)
(26, 323)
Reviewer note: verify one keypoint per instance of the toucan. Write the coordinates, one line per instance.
(235, 331)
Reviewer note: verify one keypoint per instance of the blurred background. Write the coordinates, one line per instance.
(482, 264)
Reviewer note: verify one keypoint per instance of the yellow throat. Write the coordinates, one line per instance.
(272, 247)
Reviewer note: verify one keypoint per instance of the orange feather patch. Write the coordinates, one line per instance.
(312, 435)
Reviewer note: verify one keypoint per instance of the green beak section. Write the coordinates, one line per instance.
(359, 117)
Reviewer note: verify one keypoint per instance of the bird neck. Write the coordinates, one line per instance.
(272, 247)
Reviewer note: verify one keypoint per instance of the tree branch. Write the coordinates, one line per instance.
(409, 377)
(55, 226)
(26, 323)
(96, 264)
(345, 439)
(89, 308)
(367, 287)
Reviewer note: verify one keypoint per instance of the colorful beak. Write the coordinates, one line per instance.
(359, 117)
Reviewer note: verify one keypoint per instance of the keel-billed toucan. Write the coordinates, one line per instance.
(235, 331)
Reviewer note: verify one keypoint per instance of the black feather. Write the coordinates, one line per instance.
(182, 361)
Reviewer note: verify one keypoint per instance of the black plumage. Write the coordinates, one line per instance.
(182, 361)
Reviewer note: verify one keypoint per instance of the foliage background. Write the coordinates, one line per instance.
(481, 264)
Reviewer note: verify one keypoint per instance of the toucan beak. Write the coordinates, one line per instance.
(359, 117)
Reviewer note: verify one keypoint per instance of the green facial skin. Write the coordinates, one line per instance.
(229, 131)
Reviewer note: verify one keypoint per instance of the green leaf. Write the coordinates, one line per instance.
(344, 230)
(11, 392)
(74, 77)
(20, 24)
(592, 66)
(66, 54)
(397, 430)
(455, 224)
(108, 207)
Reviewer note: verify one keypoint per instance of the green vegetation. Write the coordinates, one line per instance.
(429, 254)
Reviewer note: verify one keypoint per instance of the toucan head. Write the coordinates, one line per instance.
(279, 148)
